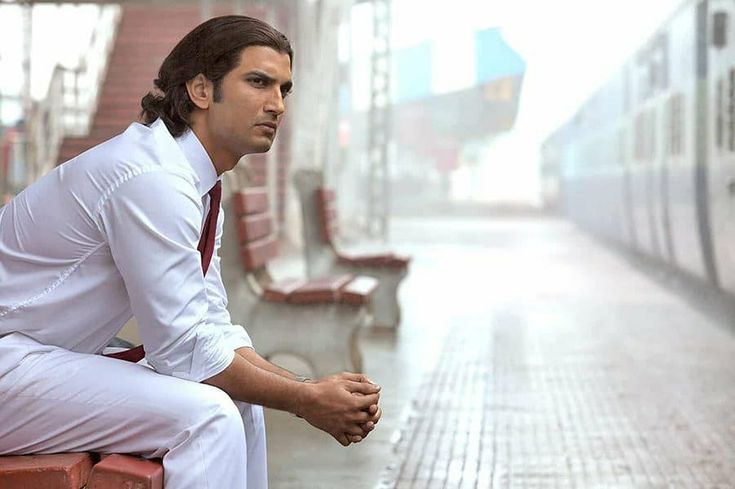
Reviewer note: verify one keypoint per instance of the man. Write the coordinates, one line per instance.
(126, 228)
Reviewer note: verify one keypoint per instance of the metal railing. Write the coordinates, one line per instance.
(71, 101)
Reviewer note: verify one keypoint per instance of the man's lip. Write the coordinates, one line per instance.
(272, 125)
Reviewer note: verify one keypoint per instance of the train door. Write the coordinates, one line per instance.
(649, 73)
(657, 185)
(657, 64)
(721, 147)
(680, 136)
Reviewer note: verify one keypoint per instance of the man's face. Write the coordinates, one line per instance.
(251, 106)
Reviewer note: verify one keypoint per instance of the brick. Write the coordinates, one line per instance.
(125, 471)
(57, 471)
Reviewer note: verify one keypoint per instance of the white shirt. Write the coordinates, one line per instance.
(111, 234)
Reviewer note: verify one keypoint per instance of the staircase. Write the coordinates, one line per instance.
(146, 34)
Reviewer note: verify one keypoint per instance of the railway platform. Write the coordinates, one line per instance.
(530, 356)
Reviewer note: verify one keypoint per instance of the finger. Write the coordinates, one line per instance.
(368, 427)
(354, 429)
(376, 417)
(361, 417)
(372, 409)
(361, 387)
(364, 402)
(355, 438)
(366, 432)
(355, 377)
(342, 439)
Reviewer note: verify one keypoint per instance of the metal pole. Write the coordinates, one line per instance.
(379, 122)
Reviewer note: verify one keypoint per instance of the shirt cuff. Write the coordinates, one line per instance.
(211, 356)
(235, 337)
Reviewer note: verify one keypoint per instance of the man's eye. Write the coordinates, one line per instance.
(285, 93)
(258, 82)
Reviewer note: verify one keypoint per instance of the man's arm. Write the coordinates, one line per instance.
(252, 356)
(373, 411)
(337, 405)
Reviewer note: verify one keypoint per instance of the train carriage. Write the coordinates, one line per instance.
(649, 160)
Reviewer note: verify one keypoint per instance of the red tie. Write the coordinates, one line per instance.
(206, 249)
(206, 242)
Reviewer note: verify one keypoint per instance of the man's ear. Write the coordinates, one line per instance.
(200, 91)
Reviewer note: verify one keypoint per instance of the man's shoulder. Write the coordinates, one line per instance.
(139, 149)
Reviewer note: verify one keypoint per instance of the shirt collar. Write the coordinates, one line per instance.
(199, 160)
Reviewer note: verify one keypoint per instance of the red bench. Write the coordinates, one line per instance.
(323, 256)
(328, 225)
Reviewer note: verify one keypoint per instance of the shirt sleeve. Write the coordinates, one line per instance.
(235, 335)
(152, 222)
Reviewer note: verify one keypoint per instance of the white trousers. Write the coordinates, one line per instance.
(53, 400)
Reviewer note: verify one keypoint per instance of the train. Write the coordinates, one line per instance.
(648, 161)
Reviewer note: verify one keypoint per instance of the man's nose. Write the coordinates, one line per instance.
(276, 104)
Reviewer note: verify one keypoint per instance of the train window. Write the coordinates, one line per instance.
(719, 29)
(661, 60)
(719, 118)
(681, 126)
(651, 135)
(639, 131)
(671, 126)
(676, 124)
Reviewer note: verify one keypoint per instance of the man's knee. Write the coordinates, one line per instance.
(204, 408)
(214, 405)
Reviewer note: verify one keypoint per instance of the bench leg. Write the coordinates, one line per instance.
(355, 352)
(384, 305)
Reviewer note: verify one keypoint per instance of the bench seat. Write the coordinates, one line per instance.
(342, 288)
(79, 470)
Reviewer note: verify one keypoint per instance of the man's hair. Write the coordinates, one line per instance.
(213, 49)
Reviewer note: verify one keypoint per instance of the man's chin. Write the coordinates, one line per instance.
(262, 146)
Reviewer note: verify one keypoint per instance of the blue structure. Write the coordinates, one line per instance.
(495, 58)
(413, 72)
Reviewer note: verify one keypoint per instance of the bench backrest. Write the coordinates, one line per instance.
(255, 227)
(326, 203)
(320, 254)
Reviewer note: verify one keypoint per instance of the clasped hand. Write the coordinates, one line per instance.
(344, 405)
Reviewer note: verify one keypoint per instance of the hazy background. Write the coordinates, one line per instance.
(570, 47)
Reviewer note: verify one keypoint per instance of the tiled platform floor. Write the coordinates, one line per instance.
(531, 357)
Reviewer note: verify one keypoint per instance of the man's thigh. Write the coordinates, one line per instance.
(60, 401)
